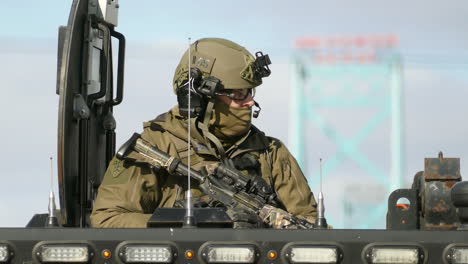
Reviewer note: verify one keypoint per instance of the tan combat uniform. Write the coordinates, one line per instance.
(131, 191)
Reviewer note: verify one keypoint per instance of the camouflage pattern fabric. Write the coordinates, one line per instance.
(131, 190)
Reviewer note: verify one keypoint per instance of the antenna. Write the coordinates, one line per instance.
(320, 175)
(52, 220)
(321, 222)
(51, 174)
(189, 219)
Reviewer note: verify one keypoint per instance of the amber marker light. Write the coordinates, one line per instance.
(189, 254)
(106, 254)
(272, 254)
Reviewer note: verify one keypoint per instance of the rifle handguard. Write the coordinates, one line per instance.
(280, 219)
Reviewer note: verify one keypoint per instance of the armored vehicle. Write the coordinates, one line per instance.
(427, 229)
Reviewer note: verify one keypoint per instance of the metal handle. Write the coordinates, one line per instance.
(120, 67)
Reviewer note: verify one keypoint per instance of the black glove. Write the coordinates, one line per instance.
(244, 219)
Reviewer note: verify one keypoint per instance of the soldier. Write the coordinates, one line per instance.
(224, 77)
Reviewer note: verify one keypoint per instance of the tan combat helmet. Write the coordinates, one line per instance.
(225, 60)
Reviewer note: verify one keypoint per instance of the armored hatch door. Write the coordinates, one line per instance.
(85, 85)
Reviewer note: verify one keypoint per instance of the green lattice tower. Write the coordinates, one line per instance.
(382, 98)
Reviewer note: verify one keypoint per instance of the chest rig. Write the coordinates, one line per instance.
(251, 157)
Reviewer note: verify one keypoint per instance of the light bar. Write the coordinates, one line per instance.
(146, 253)
(229, 254)
(313, 254)
(394, 255)
(67, 253)
(457, 255)
(4, 253)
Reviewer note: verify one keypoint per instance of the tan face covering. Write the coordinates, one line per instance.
(228, 122)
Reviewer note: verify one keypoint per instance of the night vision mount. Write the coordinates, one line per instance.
(260, 65)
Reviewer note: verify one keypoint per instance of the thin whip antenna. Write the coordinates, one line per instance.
(320, 174)
(320, 221)
(189, 219)
(52, 220)
(51, 175)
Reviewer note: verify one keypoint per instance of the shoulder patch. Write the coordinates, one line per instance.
(117, 167)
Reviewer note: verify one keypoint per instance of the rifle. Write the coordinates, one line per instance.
(222, 183)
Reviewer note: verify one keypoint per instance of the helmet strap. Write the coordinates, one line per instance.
(207, 134)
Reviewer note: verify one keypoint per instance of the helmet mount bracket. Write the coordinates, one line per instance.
(202, 90)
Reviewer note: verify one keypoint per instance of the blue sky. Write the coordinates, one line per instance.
(421, 24)
(433, 42)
